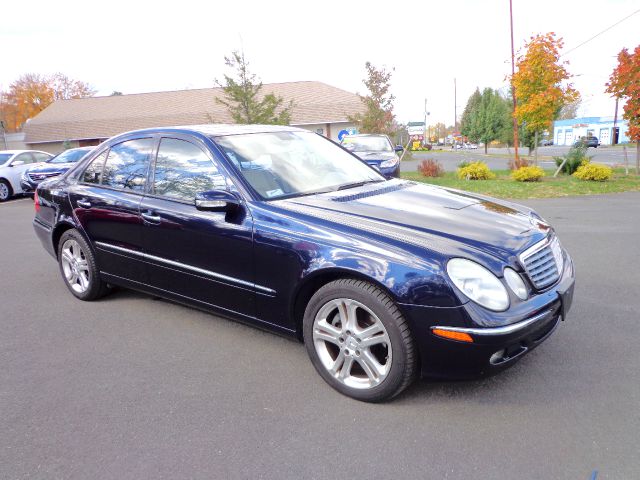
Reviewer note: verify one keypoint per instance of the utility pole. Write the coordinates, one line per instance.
(426, 113)
(513, 90)
(455, 106)
(614, 136)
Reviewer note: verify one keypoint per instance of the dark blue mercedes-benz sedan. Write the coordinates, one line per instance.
(281, 228)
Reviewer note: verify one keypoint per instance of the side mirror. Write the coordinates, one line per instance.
(216, 201)
(399, 148)
(17, 163)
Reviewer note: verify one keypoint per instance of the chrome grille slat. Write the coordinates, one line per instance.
(542, 266)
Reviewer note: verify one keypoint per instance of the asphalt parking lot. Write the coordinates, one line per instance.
(132, 387)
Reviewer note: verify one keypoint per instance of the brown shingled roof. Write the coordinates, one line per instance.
(103, 117)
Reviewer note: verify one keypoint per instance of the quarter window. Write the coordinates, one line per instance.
(127, 164)
(183, 170)
(93, 172)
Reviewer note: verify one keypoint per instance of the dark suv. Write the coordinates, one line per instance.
(587, 142)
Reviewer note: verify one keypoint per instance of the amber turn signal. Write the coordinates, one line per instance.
(460, 336)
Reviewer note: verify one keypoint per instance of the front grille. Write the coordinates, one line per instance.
(38, 177)
(543, 262)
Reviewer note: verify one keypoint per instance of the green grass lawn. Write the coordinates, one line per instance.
(503, 186)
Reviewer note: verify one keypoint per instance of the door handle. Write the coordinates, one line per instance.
(84, 203)
(150, 217)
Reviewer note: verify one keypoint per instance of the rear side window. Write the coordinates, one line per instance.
(41, 157)
(93, 172)
(127, 164)
(183, 170)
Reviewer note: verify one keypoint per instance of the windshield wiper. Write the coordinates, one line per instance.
(357, 184)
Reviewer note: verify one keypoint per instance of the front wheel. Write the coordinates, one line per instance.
(358, 340)
(5, 191)
(78, 267)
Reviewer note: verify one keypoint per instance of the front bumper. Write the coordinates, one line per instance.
(28, 187)
(494, 348)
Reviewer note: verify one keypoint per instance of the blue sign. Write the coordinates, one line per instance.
(344, 133)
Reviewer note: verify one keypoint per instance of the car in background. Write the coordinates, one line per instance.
(279, 227)
(545, 142)
(590, 141)
(54, 167)
(376, 151)
(471, 146)
(13, 164)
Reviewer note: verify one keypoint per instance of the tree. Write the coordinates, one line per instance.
(31, 93)
(469, 121)
(570, 110)
(538, 84)
(486, 117)
(378, 117)
(244, 99)
(624, 83)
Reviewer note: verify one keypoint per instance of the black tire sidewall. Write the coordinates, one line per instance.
(362, 292)
(96, 286)
(9, 191)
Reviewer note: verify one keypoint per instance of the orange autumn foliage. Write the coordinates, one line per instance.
(31, 93)
(538, 83)
(624, 83)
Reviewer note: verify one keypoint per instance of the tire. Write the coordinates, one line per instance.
(78, 267)
(6, 192)
(372, 355)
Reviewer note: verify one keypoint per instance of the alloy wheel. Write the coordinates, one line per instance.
(352, 343)
(4, 192)
(75, 266)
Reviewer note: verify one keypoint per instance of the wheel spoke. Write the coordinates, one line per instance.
(327, 332)
(338, 362)
(348, 316)
(67, 256)
(372, 368)
(83, 266)
(345, 371)
(373, 335)
(84, 282)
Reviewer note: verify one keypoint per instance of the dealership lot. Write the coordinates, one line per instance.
(135, 387)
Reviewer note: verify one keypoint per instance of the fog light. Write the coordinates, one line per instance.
(460, 336)
(498, 357)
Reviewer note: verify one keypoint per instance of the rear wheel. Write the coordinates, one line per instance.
(358, 340)
(78, 267)
(5, 190)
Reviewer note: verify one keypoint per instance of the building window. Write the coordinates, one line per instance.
(320, 131)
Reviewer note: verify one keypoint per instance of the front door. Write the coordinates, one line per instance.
(198, 255)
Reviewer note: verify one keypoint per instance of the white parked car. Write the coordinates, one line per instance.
(12, 164)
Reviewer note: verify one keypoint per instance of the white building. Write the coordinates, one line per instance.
(566, 132)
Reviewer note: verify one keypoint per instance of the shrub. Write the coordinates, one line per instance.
(463, 163)
(431, 168)
(575, 157)
(528, 174)
(476, 171)
(594, 172)
(516, 164)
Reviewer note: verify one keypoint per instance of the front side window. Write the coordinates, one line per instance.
(25, 158)
(183, 170)
(42, 157)
(291, 163)
(127, 164)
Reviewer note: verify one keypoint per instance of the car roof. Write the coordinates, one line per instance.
(13, 152)
(220, 129)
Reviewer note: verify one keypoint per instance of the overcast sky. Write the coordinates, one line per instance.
(152, 46)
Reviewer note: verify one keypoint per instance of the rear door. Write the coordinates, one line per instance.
(106, 202)
(200, 255)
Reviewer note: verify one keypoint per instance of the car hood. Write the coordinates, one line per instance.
(449, 221)
(55, 168)
(375, 157)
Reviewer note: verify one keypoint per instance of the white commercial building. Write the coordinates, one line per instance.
(566, 132)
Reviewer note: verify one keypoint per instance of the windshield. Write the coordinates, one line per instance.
(4, 157)
(289, 164)
(367, 144)
(69, 156)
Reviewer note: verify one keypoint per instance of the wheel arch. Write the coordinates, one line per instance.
(312, 282)
(57, 233)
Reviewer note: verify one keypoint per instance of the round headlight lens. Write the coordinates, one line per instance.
(516, 283)
(478, 283)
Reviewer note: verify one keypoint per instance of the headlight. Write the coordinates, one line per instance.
(516, 283)
(389, 163)
(478, 283)
(25, 177)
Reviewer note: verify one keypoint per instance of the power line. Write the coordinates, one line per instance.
(598, 34)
